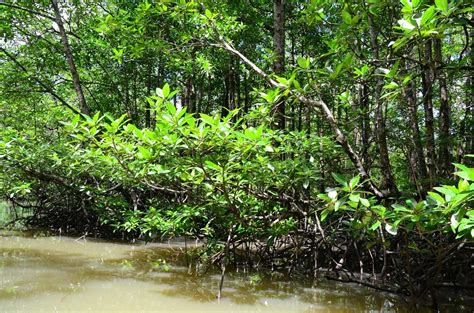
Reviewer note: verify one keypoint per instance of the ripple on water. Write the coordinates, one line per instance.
(48, 274)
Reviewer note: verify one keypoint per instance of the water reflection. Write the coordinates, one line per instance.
(48, 274)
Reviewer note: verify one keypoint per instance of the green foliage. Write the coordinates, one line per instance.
(190, 174)
(447, 209)
(207, 160)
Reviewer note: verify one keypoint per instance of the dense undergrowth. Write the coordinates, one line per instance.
(256, 194)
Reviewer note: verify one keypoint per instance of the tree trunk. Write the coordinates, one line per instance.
(246, 94)
(148, 93)
(70, 60)
(309, 103)
(388, 181)
(427, 81)
(279, 50)
(190, 95)
(364, 123)
(469, 115)
(444, 154)
(417, 157)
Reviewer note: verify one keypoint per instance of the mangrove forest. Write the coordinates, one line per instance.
(330, 141)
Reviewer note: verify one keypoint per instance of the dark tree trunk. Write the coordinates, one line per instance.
(417, 157)
(148, 93)
(225, 103)
(246, 94)
(70, 59)
(135, 118)
(237, 85)
(444, 154)
(279, 50)
(190, 95)
(388, 181)
(427, 80)
(469, 114)
(364, 124)
(126, 92)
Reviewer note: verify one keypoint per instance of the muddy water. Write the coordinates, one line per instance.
(61, 274)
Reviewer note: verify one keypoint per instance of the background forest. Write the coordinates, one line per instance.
(295, 134)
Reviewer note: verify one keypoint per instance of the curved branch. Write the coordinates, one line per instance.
(14, 6)
(46, 87)
(321, 105)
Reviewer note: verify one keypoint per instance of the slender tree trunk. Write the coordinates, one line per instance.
(135, 118)
(427, 80)
(190, 94)
(126, 91)
(469, 115)
(247, 94)
(417, 157)
(148, 93)
(279, 49)
(444, 113)
(70, 59)
(469, 124)
(300, 116)
(231, 86)
(364, 123)
(388, 181)
(209, 95)
(237, 85)
(225, 103)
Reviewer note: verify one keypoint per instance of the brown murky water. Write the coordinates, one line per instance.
(61, 274)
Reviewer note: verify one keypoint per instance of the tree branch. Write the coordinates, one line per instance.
(14, 6)
(70, 59)
(46, 87)
(340, 137)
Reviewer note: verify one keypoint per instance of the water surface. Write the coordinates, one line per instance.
(62, 274)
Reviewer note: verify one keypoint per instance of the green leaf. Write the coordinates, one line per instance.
(324, 197)
(208, 119)
(406, 80)
(393, 71)
(355, 197)
(415, 3)
(354, 181)
(324, 214)
(303, 62)
(449, 194)
(213, 166)
(171, 108)
(407, 6)
(144, 153)
(375, 225)
(392, 85)
(436, 197)
(208, 14)
(442, 5)
(166, 90)
(427, 16)
(400, 208)
(365, 202)
(339, 178)
(346, 17)
(466, 172)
